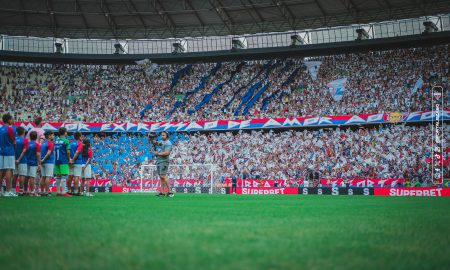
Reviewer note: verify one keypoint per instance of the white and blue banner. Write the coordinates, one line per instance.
(313, 68)
(264, 123)
(337, 88)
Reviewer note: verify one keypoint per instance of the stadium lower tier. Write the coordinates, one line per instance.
(395, 151)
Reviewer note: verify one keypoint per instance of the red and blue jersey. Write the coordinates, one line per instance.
(88, 156)
(74, 147)
(48, 146)
(7, 139)
(21, 144)
(33, 149)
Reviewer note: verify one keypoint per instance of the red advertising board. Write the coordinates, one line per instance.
(266, 191)
(416, 192)
(120, 189)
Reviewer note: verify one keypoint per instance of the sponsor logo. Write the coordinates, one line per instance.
(263, 191)
(395, 117)
(418, 192)
(336, 191)
(436, 192)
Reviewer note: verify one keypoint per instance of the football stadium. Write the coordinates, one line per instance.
(224, 134)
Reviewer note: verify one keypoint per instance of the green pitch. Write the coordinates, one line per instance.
(124, 231)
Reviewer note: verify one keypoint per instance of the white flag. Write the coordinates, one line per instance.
(337, 88)
(313, 68)
(142, 62)
(418, 84)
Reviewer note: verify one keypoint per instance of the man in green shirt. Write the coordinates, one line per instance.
(62, 154)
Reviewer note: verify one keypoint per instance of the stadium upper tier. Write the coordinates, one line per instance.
(370, 82)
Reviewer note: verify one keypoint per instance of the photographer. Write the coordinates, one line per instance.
(162, 162)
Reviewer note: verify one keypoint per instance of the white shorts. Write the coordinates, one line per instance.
(7, 162)
(75, 170)
(87, 172)
(21, 170)
(48, 170)
(32, 171)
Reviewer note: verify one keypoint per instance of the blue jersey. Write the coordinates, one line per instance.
(33, 149)
(74, 147)
(61, 147)
(21, 143)
(7, 139)
(46, 146)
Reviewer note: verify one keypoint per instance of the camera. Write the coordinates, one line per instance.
(152, 138)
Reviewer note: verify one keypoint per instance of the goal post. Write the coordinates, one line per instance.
(187, 178)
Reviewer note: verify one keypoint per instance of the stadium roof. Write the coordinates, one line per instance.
(138, 19)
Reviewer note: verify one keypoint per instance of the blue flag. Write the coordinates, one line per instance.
(142, 113)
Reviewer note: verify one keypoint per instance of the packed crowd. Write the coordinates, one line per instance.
(381, 81)
(377, 82)
(396, 151)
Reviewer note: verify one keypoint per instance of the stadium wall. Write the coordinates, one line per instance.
(351, 190)
(332, 191)
(228, 55)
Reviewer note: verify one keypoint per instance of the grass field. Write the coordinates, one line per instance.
(124, 231)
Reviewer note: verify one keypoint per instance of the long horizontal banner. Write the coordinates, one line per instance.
(331, 182)
(304, 191)
(366, 191)
(272, 123)
(126, 189)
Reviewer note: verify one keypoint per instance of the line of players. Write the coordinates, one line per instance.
(21, 159)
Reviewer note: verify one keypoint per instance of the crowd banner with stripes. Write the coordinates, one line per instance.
(264, 123)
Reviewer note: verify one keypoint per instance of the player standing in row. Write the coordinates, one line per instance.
(62, 152)
(86, 169)
(21, 170)
(33, 161)
(39, 131)
(75, 164)
(47, 162)
(7, 153)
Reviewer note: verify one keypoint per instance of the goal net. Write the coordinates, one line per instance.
(187, 178)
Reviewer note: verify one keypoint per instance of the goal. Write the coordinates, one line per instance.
(186, 178)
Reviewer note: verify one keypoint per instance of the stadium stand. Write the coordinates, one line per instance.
(377, 82)
(99, 75)
(382, 81)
